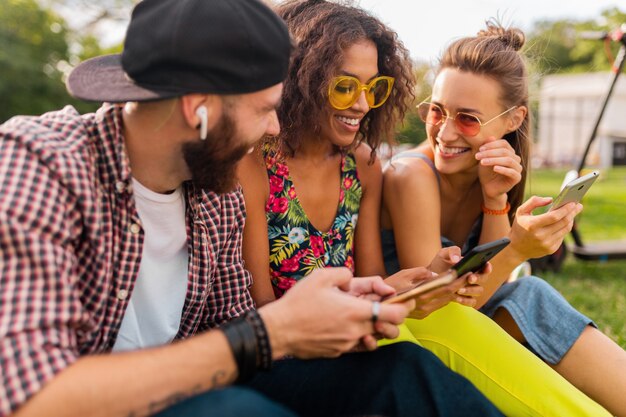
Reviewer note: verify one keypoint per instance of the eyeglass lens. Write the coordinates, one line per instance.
(432, 114)
(346, 92)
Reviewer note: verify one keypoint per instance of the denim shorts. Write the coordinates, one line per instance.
(547, 321)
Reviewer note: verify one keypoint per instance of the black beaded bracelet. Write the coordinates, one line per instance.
(264, 349)
(249, 341)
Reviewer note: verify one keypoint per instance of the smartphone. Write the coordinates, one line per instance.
(422, 287)
(476, 259)
(574, 190)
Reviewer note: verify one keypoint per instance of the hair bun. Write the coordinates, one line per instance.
(511, 37)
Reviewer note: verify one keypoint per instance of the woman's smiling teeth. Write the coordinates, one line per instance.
(450, 150)
(348, 121)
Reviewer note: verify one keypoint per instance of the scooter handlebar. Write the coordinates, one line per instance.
(593, 35)
(616, 35)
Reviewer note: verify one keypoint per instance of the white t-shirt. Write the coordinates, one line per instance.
(155, 307)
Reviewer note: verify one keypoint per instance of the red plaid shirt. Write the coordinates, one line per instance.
(71, 244)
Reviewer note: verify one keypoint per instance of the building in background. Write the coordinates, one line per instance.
(568, 108)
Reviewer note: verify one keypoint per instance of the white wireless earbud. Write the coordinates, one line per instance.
(202, 114)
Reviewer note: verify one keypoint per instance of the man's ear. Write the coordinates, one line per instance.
(517, 118)
(200, 111)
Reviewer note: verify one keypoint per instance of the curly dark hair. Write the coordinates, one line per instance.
(321, 31)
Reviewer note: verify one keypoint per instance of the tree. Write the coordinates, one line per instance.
(556, 46)
(94, 19)
(412, 130)
(34, 54)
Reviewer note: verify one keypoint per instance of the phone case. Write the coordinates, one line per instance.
(476, 259)
(422, 287)
(574, 190)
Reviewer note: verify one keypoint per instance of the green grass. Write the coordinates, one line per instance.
(597, 289)
(604, 216)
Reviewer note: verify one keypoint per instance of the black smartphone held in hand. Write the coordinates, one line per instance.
(478, 257)
(574, 190)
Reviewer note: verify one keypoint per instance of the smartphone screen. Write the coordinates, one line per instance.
(476, 259)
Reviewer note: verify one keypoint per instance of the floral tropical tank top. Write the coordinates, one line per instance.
(296, 246)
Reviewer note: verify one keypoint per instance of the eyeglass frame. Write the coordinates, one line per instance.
(446, 116)
(360, 88)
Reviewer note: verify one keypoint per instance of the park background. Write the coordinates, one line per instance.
(41, 41)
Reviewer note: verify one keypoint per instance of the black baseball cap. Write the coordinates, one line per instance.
(178, 47)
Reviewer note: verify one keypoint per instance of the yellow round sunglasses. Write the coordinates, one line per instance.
(345, 90)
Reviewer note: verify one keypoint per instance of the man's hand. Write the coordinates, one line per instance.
(372, 288)
(321, 316)
(375, 288)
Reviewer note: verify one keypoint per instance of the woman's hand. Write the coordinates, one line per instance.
(429, 301)
(473, 288)
(463, 290)
(500, 170)
(433, 300)
(445, 258)
(536, 236)
(408, 278)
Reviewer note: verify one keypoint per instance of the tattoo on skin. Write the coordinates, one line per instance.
(172, 399)
(218, 379)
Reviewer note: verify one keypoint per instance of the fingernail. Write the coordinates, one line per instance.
(461, 291)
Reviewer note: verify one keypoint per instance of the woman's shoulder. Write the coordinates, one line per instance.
(252, 172)
(362, 155)
(410, 185)
(253, 160)
(368, 169)
(413, 166)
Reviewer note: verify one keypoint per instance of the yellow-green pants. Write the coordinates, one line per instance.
(514, 379)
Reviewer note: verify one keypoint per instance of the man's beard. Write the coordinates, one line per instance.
(213, 162)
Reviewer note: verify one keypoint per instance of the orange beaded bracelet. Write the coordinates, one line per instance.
(505, 210)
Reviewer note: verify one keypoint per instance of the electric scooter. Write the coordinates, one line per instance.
(603, 250)
(606, 250)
